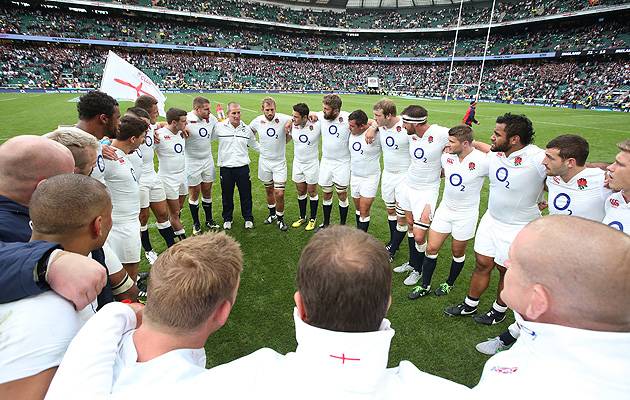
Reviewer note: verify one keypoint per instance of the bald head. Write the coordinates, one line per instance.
(26, 160)
(577, 263)
(344, 280)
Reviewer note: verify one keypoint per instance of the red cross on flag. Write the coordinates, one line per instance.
(123, 81)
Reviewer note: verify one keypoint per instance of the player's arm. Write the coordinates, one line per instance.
(370, 133)
(32, 268)
(481, 146)
(251, 142)
(109, 152)
(123, 287)
(599, 165)
(312, 116)
(97, 342)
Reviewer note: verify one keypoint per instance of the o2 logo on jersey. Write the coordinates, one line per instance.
(502, 176)
(390, 142)
(100, 163)
(617, 225)
(272, 133)
(178, 148)
(148, 140)
(419, 154)
(333, 130)
(203, 132)
(456, 180)
(356, 146)
(562, 202)
(304, 139)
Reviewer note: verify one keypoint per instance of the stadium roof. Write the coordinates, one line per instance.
(375, 3)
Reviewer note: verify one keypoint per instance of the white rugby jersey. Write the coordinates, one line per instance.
(271, 136)
(135, 157)
(146, 153)
(306, 142)
(463, 180)
(171, 156)
(198, 143)
(234, 143)
(395, 147)
(365, 159)
(426, 152)
(516, 183)
(123, 187)
(581, 196)
(617, 212)
(335, 136)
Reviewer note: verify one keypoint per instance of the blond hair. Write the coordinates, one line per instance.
(77, 142)
(189, 280)
(624, 146)
(387, 107)
(268, 100)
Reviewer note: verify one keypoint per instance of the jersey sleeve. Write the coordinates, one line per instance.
(538, 163)
(484, 164)
(253, 125)
(252, 142)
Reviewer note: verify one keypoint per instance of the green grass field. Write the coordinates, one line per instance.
(262, 316)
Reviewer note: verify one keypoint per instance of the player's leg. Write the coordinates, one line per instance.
(193, 205)
(434, 243)
(341, 179)
(173, 212)
(227, 196)
(265, 175)
(244, 185)
(457, 265)
(355, 193)
(313, 199)
(300, 188)
(502, 342)
(206, 203)
(463, 225)
(160, 211)
(388, 189)
(415, 258)
(279, 171)
(326, 183)
(31, 387)
(365, 205)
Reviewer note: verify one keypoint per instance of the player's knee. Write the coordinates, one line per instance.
(341, 189)
(327, 191)
(268, 184)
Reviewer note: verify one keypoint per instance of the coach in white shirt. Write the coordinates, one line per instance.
(575, 341)
(233, 159)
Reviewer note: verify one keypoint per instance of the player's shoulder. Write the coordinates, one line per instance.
(596, 174)
(342, 117)
(191, 117)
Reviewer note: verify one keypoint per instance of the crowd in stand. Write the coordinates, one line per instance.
(424, 17)
(565, 82)
(610, 34)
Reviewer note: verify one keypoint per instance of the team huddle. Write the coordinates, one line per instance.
(74, 211)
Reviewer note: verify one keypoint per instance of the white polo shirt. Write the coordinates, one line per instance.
(234, 143)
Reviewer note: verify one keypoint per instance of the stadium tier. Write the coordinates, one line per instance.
(386, 17)
(595, 35)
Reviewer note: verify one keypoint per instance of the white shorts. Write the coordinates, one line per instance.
(306, 172)
(389, 182)
(124, 239)
(152, 192)
(414, 200)
(334, 172)
(460, 224)
(272, 170)
(494, 238)
(111, 260)
(199, 171)
(174, 188)
(364, 186)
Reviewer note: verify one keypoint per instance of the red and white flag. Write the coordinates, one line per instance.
(123, 81)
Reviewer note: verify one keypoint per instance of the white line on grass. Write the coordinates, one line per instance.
(10, 98)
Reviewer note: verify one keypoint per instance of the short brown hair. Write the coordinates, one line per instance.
(146, 102)
(200, 101)
(268, 100)
(190, 279)
(174, 114)
(624, 146)
(333, 101)
(131, 127)
(76, 142)
(387, 106)
(571, 146)
(345, 279)
(463, 133)
(62, 204)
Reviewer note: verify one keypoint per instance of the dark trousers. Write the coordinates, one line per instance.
(239, 176)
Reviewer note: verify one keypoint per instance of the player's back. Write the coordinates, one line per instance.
(123, 186)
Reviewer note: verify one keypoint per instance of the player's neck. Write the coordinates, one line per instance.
(514, 149)
(390, 123)
(152, 342)
(172, 128)
(422, 130)
(464, 154)
(626, 195)
(72, 243)
(91, 128)
(122, 145)
(571, 173)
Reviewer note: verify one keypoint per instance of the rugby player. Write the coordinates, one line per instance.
(272, 164)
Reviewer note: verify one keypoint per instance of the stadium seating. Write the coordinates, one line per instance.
(592, 36)
(593, 83)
